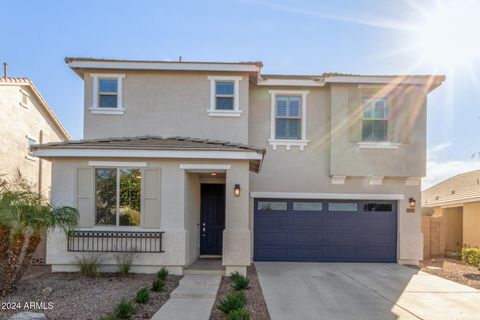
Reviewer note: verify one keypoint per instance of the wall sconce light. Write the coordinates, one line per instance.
(412, 202)
(236, 190)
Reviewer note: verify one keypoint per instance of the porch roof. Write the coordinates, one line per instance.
(152, 147)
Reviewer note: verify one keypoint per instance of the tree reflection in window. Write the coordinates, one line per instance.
(130, 184)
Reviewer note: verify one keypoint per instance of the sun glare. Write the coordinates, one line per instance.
(448, 34)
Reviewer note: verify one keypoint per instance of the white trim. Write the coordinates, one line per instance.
(291, 82)
(117, 164)
(238, 155)
(378, 145)
(386, 79)
(339, 196)
(119, 110)
(30, 158)
(338, 179)
(212, 111)
(413, 181)
(224, 113)
(114, 111)
(375, 180)
(24, 92)
(301, 143)
(194, 166)
(185, 66)
(288, 143)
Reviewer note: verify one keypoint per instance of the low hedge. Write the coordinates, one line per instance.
(471, 256)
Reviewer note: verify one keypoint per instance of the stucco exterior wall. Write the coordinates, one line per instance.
(453, 224)
(471, 224)
(192, 217)
(167, 104)
(17, 123)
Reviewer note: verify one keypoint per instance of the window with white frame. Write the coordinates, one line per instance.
(107, 93)
(117, 196)
(224, 96)
(30, 141)
(374, 119)
(288, 118)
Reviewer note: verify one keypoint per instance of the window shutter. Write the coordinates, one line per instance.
(150, 210)
(399, 116)
(354, 122)
(84, 197)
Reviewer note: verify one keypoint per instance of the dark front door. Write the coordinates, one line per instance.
(212, 218)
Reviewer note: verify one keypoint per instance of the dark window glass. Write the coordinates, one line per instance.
(106, 196)
(287, 128)
(130, 188)
(384, 207)
(223, 87)
(374, 130)
(108, 85)
(224, 103)
(272, 205)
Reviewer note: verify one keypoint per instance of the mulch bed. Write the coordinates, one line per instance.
(454, 270)
(77, 297)
(255, 302)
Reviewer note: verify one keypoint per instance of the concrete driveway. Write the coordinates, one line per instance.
(362, 291)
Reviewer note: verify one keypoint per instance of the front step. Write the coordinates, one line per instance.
(219, 272)
(201, 279)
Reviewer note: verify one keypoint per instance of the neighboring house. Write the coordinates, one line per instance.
(452, 214)
(26, 119)
(319, 168)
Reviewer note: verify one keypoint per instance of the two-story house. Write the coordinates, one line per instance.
(26, 119)
(183, 160)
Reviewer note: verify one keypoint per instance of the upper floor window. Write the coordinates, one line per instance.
(117, 196)
(107, 93)
(374, 119)
(288, 118)
(224, 96)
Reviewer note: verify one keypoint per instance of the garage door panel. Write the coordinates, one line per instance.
(364, 235)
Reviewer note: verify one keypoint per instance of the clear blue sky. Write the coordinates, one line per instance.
(298, 37)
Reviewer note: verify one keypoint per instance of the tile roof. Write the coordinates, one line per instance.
(43, 102)
(461, 188)
(151, 143)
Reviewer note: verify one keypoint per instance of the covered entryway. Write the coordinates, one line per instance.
(212, 219)
(325, 230)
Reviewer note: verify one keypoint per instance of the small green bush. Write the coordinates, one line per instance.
(109, 316)
(143, 296)
(125, 309)
(158, 284)
(240, 282)
(124, 262)
(239, 314)
(163, 273)
(471, 256)
(90, 265)
(233, 301)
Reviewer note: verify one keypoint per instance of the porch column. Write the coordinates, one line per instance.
(236, 236)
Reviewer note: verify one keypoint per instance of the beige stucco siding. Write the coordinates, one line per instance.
(471, 224)
(167, 104)
(17, 123)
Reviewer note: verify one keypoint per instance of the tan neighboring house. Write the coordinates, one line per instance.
(451, 212)
(27, 119)
(189, 160)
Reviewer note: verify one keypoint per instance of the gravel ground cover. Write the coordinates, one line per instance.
(77, 297)
(255, 302)
(453, 270)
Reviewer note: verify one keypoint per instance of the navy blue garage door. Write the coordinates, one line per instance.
(325, 230)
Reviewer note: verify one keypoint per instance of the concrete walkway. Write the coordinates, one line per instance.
(362, 291)
(192, 299)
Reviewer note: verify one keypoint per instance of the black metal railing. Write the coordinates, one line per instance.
(115, 241)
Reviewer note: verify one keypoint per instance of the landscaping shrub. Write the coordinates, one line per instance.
(89, 265)
(124, 262)
(158, 284)
(125, 309)
(233, 301)
(163, 273)
(239, 314)
(143, 296)
(471, 256)
(240, 282)
(25, 217)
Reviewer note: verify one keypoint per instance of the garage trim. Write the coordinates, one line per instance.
(338, 196)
